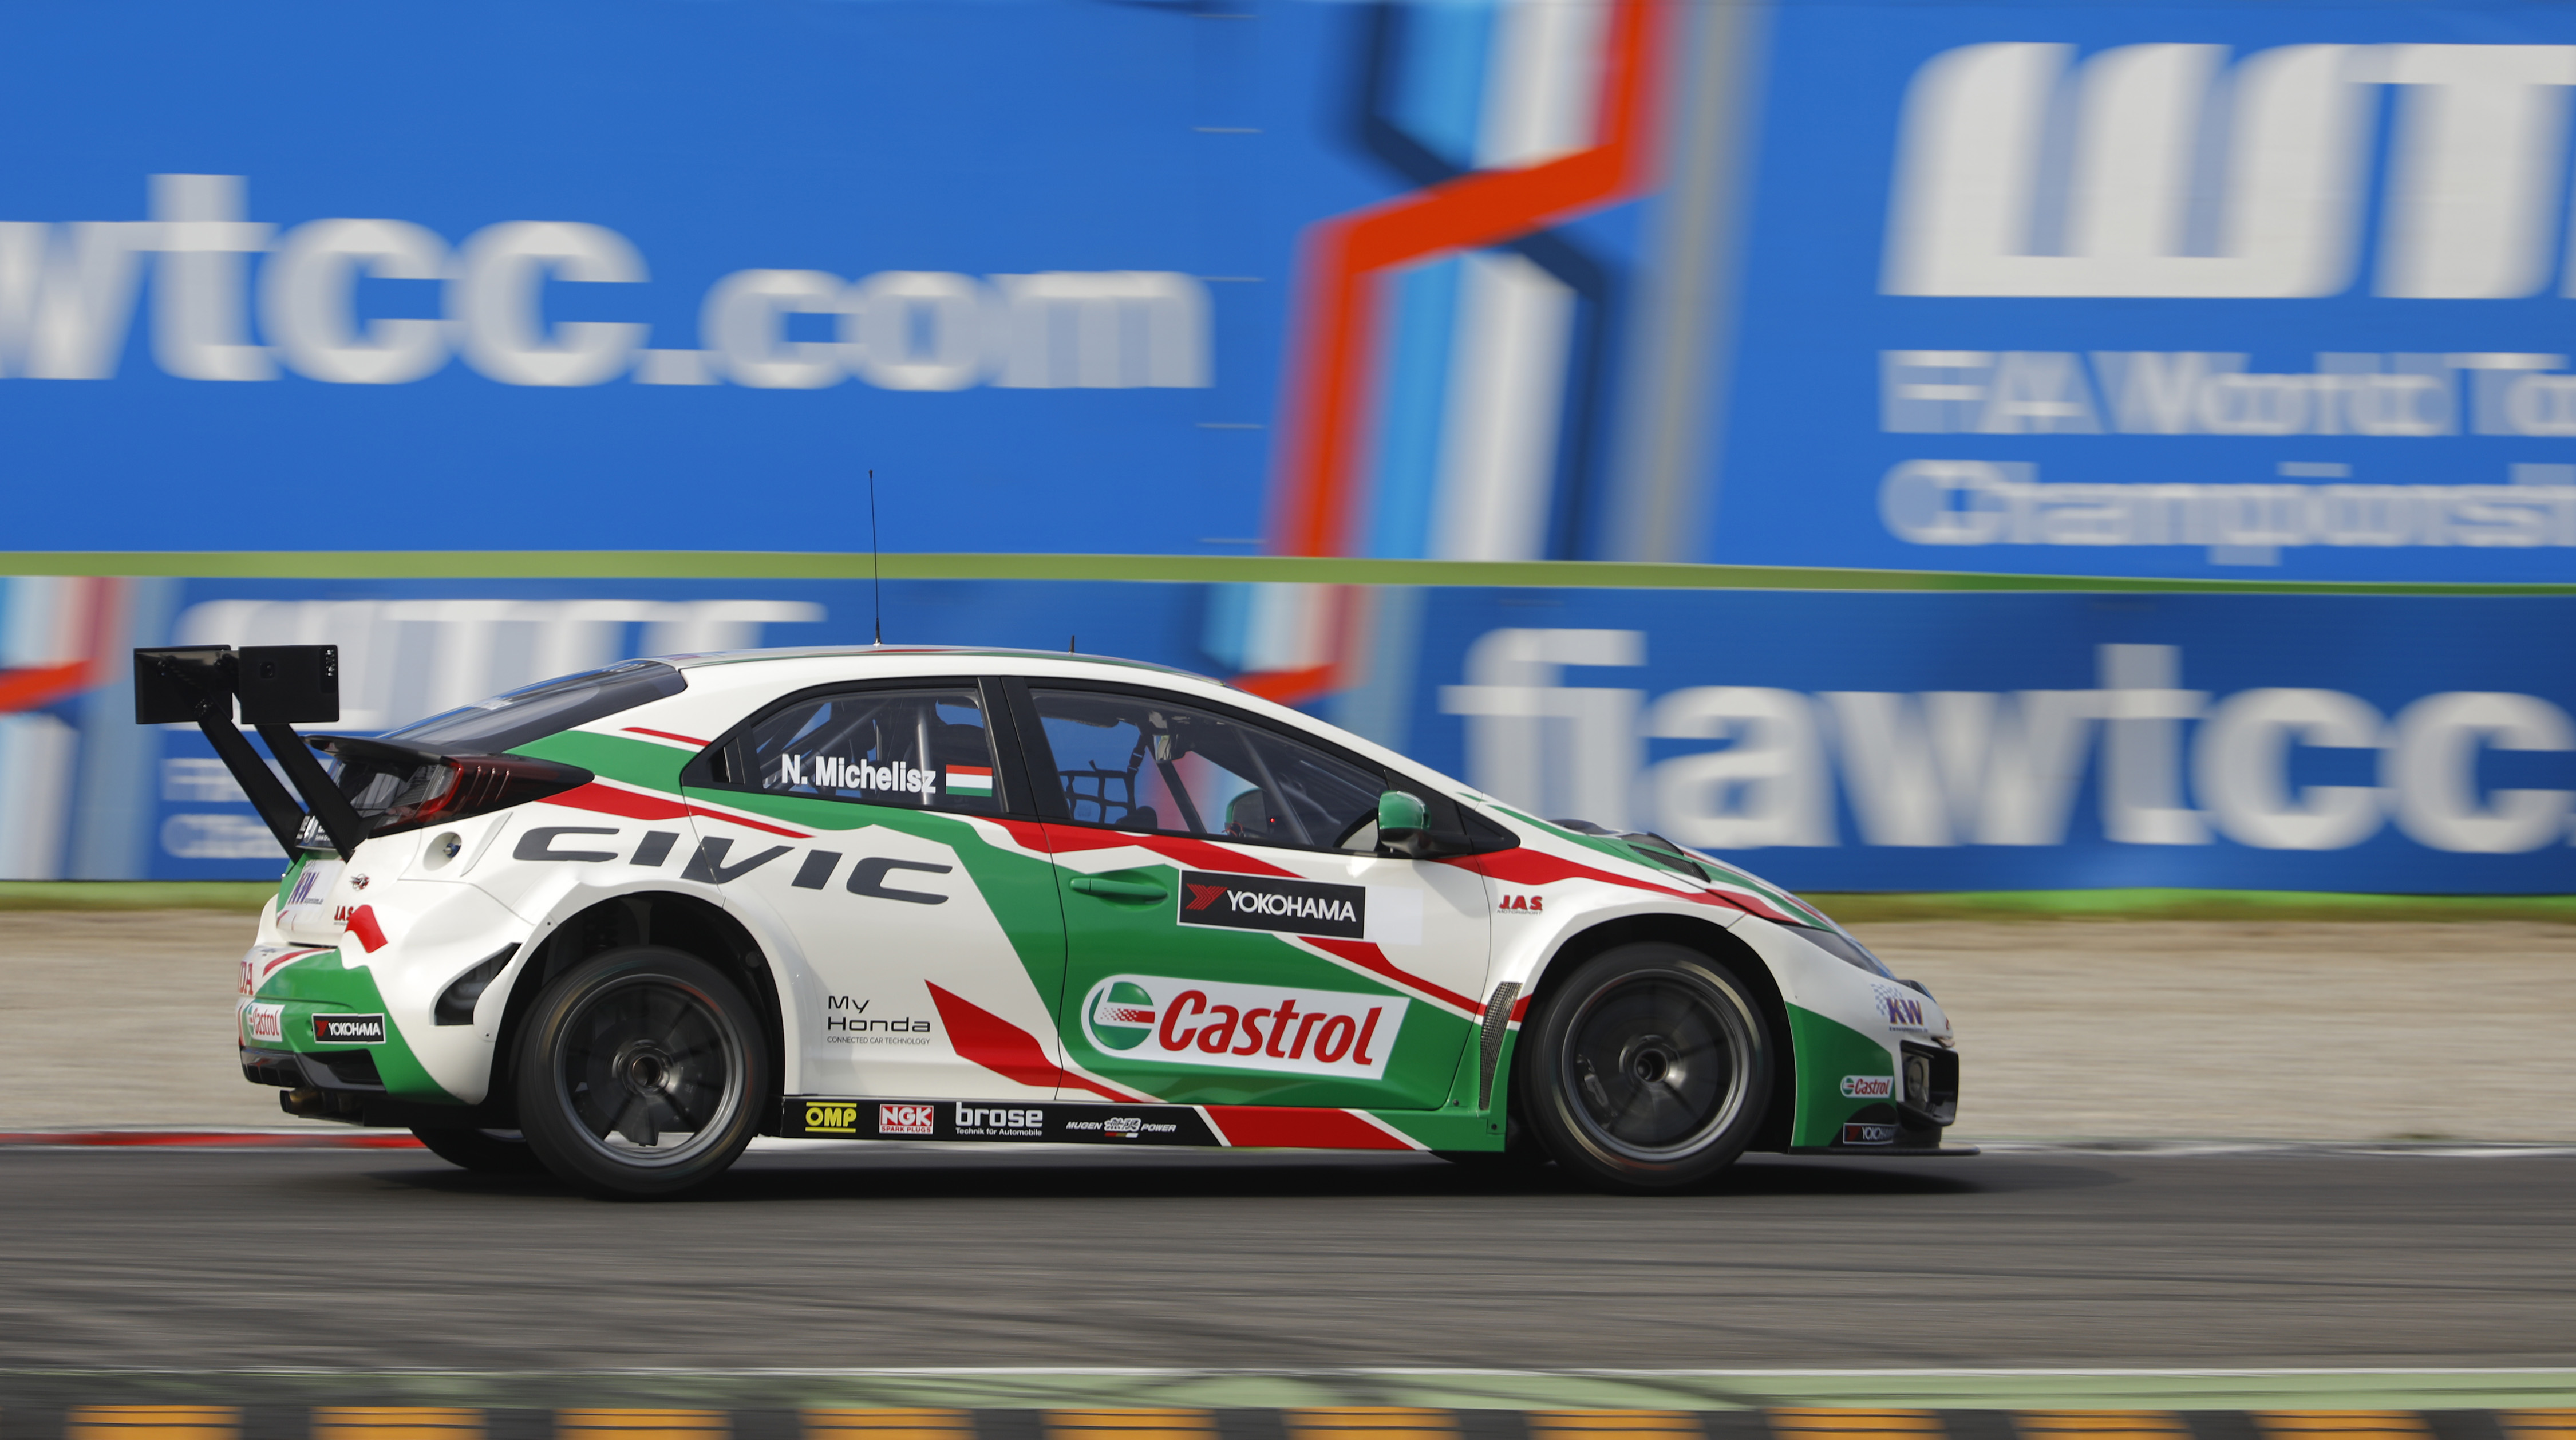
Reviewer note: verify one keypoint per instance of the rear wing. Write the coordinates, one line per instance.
(277, 687)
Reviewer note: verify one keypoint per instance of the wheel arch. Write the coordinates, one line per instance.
(1712, 940)
(686, 923)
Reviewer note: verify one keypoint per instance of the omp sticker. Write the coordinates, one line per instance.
(834, 1117)
(1244, 1027)
(263, 1024)
(1868, 1087)
(1263, 902)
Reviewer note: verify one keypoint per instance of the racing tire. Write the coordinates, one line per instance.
(485, 1152)
(1648, 1070)
(641, 1073)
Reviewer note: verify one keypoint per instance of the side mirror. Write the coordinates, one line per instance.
(1403, 823)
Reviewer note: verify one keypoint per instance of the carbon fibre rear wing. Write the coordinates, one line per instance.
(277, 687)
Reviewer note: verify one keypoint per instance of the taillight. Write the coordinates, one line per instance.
(396, 788)
(468, 785)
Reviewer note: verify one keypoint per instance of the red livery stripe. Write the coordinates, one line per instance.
(1286, 1127)
(984, 1038)
(666, 735)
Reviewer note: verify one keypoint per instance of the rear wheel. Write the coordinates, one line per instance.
(485, 1152)
(1648, 1070)
(640, 1073)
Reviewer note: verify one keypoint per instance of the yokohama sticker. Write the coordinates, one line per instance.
(1204, 1023)
(1260, 902)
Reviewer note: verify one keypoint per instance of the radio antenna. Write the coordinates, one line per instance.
(876, 578)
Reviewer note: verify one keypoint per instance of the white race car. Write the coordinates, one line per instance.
(620, 923)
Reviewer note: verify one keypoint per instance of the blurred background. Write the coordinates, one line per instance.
(1934, 447)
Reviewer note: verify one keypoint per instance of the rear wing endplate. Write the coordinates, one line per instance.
(277, 687)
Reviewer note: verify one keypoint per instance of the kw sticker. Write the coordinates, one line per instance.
(1900, 1009)
(1216, 1023)
(1260, 902)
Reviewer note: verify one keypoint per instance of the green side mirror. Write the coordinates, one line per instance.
(1403, 822)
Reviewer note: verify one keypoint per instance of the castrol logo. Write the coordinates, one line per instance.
(1204, 1023)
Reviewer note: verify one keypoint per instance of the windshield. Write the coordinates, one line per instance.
(506, 722)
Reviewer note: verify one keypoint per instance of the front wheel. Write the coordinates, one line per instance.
(1648, 1070)
(640, 1073)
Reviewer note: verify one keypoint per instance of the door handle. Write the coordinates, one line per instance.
(1108, 889)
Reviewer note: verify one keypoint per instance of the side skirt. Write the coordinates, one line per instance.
(1053, 1122)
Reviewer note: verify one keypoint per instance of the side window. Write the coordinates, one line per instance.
(924, 749)
(1140, 763)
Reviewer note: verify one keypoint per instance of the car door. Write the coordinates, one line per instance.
(923, 959)
(1233, 935)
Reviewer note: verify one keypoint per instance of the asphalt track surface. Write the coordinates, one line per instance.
(901, 1257)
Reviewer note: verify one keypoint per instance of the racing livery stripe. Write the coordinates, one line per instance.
(609, 798)
(694, 744)
(1368, 957)
(1289, 1127)
(1530, 866)
(1195, 853)
(983, 1038)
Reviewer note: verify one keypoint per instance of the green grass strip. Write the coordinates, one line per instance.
(243, 896)
(2290, 905)
(1175, 569)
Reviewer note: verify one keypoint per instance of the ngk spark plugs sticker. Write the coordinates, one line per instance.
(1262, 902)
(1215, 1023)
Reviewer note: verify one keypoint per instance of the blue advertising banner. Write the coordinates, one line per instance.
(1832, 742)
(2148, 289)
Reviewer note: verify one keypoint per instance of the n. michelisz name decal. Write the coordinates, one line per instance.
(1262, 902)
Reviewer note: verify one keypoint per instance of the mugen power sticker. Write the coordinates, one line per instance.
(1221, 1024)
(1264, 902)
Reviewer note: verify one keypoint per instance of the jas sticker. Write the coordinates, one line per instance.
(1523, 903)
(348, 1029)
(1263, 902)
(264, 1024)
(1214, 1023)
(1868, 1087)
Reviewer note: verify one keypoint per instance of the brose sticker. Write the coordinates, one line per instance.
(1263, 902)
(1244, 1027)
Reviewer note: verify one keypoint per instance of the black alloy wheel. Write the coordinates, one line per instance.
(1648, 1070)
(485, 1152)
(641, 1073)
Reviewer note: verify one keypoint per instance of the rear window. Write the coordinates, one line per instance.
(506, 722)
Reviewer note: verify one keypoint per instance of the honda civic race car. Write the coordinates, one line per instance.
(619, 924)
